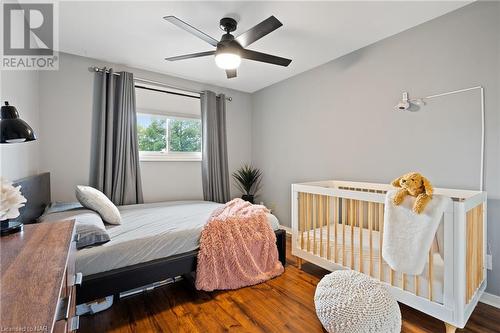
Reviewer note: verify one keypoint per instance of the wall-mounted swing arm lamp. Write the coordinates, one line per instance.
(406, 103)
(12, 128)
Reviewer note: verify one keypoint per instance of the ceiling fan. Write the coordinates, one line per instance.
(229, 50)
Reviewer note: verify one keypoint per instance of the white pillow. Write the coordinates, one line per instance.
(97, 201)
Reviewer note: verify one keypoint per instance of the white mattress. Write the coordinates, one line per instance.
(353, 248)
(149, 232)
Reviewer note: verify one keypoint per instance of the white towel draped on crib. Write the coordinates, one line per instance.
(408, 236)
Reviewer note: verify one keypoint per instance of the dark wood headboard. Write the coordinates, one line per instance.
(36, 189)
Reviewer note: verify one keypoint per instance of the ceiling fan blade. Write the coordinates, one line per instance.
(192, 55)
(189, 28)
(260, 30)
(230, 73)
(264, 57)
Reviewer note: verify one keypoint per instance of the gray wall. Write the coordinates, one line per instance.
(337, 121)
(20, 88)
(65, 133)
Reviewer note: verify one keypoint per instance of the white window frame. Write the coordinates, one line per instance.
(168, 156)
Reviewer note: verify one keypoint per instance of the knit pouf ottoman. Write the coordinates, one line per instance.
(352, 302)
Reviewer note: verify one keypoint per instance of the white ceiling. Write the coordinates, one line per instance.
(133, 33)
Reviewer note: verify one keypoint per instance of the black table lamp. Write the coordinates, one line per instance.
(12, 128)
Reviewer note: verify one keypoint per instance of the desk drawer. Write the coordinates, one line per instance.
(66, 319)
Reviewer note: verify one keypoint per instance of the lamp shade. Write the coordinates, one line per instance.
(12, 128)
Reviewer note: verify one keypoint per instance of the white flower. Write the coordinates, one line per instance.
(11, 200)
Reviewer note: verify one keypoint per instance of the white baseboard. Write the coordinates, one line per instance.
(287, 229)
(490, 299)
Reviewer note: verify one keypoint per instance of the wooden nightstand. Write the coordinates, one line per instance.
(38, 279)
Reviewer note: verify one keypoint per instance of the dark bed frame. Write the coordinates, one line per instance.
(122, 279)
(36, 189)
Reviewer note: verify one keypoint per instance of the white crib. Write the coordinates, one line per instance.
(339, 225)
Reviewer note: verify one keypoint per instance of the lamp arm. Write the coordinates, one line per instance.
(481, 179)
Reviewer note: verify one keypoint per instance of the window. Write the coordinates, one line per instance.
(166, 135)
(168, 138)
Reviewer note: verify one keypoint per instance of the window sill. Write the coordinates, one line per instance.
(169, 158)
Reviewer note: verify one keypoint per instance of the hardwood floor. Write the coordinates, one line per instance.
(284, 304)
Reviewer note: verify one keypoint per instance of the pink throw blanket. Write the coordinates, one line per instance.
(237, 248)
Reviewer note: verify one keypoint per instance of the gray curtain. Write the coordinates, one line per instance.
(215, 174)
(115, 154)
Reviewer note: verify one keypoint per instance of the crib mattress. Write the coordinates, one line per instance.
(350, 248)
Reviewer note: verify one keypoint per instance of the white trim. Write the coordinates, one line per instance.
(490, 299)
(169, 157)
(287, 229)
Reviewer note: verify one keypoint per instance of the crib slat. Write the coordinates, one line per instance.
(314, 220)
(381, 233)
(299, 202)
(416, 285)
(471, 254)
(473, 251)
(344, 221)
(336, 212)
(320, 208)
(361, 227)
(468, 261)
(329, 252)
(308, 220)
(302, 218)
(403, 277)
(474, 247)
(431, 263)
(370, 227)
(479, 246)
(351, 223)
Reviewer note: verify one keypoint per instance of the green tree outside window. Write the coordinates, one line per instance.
(184, 135)
(152, 137)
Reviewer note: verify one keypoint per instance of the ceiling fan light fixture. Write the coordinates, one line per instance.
(228, 60)
(230, 50)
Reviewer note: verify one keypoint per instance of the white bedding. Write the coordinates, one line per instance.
(149, 232)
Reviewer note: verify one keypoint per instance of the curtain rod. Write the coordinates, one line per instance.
(166, 92)
(161, 84)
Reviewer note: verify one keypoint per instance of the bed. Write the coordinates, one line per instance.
(155, 242)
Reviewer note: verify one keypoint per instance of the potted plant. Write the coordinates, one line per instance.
(248, 181)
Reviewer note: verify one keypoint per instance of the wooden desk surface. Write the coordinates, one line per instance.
(32, 264)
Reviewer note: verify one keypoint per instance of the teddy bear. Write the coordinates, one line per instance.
(416, 185)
